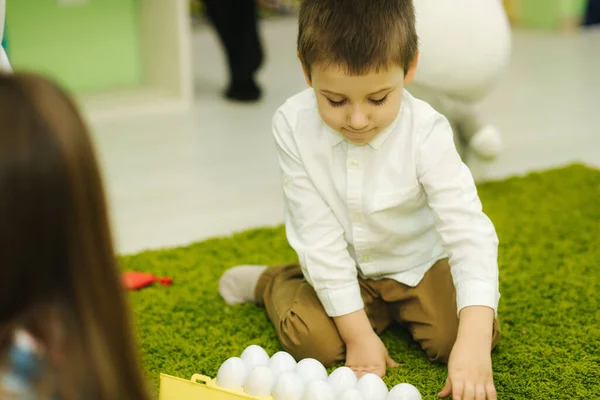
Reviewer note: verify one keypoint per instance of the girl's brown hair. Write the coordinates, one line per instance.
(58, 273)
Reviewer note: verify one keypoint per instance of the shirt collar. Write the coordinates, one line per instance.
(336, 137)
(378, 141)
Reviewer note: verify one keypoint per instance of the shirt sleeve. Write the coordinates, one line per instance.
(468, 235)
(313, 230)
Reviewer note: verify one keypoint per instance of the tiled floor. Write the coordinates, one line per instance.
(177, 179)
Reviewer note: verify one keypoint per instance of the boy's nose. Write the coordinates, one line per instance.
(358, 120)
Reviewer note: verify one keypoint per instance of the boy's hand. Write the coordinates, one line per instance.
(368, 355)
(470, 373)
(470, 364)
(365, 352)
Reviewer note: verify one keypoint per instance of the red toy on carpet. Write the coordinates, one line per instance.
(137, 280)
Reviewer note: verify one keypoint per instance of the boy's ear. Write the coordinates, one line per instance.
(305, 71)
(410, 74)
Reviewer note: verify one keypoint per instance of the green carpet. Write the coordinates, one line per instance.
(549, 229)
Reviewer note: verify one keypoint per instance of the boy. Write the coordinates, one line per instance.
(383, 214)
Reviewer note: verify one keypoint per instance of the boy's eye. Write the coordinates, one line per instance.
(379, 101)
(336, 103)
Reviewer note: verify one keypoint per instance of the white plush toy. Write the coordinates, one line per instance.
(464, 47)
(4, 63)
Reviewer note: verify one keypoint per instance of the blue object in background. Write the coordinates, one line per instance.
(5, 41)
(592, 13)
(23, 368)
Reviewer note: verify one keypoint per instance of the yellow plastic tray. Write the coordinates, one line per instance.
(199, 387)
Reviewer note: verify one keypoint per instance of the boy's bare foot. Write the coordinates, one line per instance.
(238, 284)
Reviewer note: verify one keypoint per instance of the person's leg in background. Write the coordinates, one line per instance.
(236, 23)
(592, 15)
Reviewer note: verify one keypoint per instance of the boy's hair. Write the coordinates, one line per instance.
(59, 278)
(360, 35)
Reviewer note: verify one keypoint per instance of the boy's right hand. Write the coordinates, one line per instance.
(365, 352)
(368, 355)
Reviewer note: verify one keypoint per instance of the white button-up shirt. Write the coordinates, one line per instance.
(387, 209)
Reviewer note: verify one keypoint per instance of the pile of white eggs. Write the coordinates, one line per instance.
(281, 377)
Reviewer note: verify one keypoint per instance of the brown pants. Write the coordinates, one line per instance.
(305, 330)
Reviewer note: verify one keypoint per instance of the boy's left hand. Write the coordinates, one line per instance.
(470, 372)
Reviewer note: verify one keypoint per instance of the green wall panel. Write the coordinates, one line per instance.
(88, 47)
(548, 14)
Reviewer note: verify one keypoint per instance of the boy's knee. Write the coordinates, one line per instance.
(311, 339)
(439, 346)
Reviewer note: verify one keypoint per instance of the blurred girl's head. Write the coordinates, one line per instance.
(58, 273)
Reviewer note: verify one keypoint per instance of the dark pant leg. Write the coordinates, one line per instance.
(236, 23)
(592, 15)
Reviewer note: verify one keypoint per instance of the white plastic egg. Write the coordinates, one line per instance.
(254, 355)
(404, 391)
(310, 370)
(341, 379)
(318, 390)
(232, 374)
(282, 362)
(372, 387)
(288, 386)
(259, 382)
(350, 394)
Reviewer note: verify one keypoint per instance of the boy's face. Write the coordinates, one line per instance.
(358, 107)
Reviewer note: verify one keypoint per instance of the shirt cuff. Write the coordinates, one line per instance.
(477, 293)
(338, 302)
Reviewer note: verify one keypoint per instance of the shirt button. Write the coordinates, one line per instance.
(354, 163)
(365, 258)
